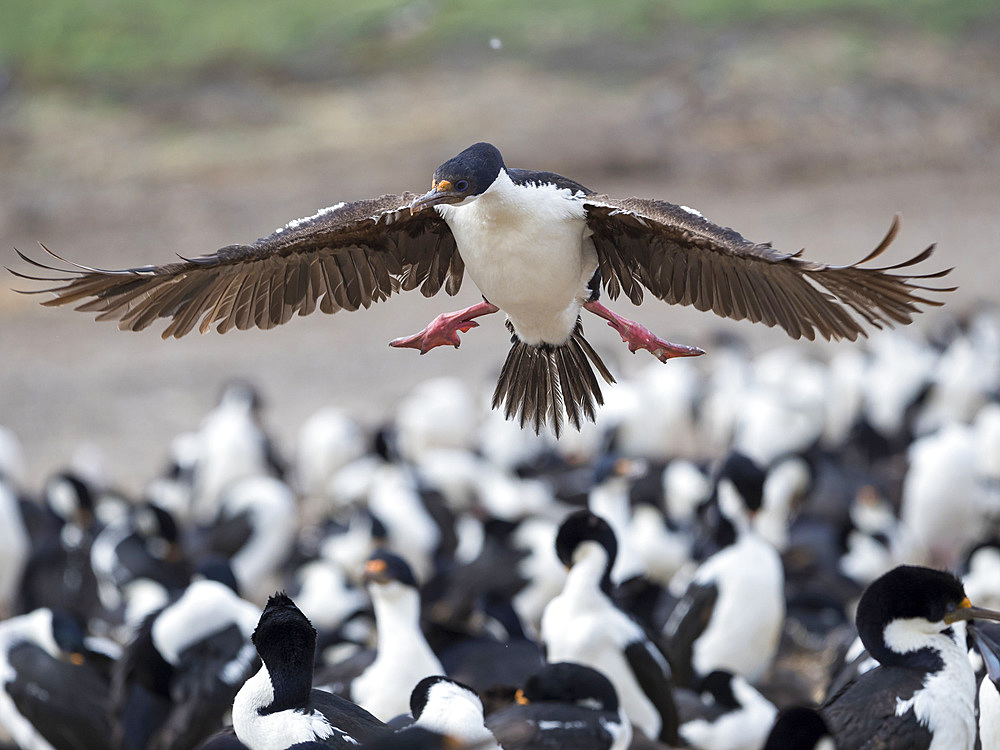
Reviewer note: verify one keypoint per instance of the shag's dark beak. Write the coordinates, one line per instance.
(988, 646)
(966, 611)
(442, 192)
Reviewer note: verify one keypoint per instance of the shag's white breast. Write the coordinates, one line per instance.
(581, 625)
(946, 702)
(528, 250)
(742, 635)
(281, 729)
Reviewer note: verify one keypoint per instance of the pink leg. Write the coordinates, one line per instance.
(639, 337)
(444, 329)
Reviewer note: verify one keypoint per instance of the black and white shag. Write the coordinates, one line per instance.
(539, 246)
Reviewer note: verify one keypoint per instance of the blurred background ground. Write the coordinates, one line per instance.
(130, 132)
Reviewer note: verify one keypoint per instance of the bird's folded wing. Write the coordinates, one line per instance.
(685, 259)
(342, 258)
(866, 712)
(64, 702)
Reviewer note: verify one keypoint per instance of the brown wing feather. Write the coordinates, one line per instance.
(346, 257)
(684, 259)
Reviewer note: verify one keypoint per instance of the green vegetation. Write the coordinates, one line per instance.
(69, 40)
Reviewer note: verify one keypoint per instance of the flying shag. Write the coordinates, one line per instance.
(540, 247)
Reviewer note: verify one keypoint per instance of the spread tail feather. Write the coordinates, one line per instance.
(540, 384)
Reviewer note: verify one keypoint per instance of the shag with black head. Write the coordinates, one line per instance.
(539, 246)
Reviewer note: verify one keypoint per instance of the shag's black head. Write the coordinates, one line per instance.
(243, 392)
(463, 176)
(747, 477)
(571, 683)
(907, 592)
(583, 526)
(68, 632)
(71, 498)
(283, 634)
(286, 642)
(611, 466)
(384, 567)
(215, 567)
(719, 685)
(421, 693)
(152, 521)
(797, 727)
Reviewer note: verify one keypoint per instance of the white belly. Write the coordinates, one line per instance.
(529, 253)
(597, 638)
(751, 593)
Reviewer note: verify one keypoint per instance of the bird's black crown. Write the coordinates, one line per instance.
(583, 526)
(568, 682)
(473, 170)
(383, 566)
(747, 477)
(283, 634)
(421, 693)
(910, 591)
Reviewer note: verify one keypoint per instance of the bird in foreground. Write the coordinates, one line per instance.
(564, 705)
(922, 694)
(724, 712)
(403, 657)
(537, 245)
(452, 710)
(50, 695)
(731, 614)
(799, 728)
(278, 706)
(582, 624)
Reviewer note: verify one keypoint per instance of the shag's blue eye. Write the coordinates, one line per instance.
(462, 185)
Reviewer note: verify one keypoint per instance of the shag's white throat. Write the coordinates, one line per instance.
(945, 704)
(582, 625)
(280, 729)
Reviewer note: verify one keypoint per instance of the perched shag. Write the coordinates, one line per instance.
(539, 246)
(452, 710)
(179, 674)
(731, 615)
(403, 657)
(728, 714)
(51, 697)
(799, 728)
(922, 695)
(278, 707)
(563, 706)
(584, 625)
(58, 573)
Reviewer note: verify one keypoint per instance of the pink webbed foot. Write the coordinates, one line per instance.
(639, 337)
(444, 329)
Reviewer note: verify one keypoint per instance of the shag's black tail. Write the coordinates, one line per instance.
(540, 384)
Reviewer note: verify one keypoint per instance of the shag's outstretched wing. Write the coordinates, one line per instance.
(342, 258)
(685, 259)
